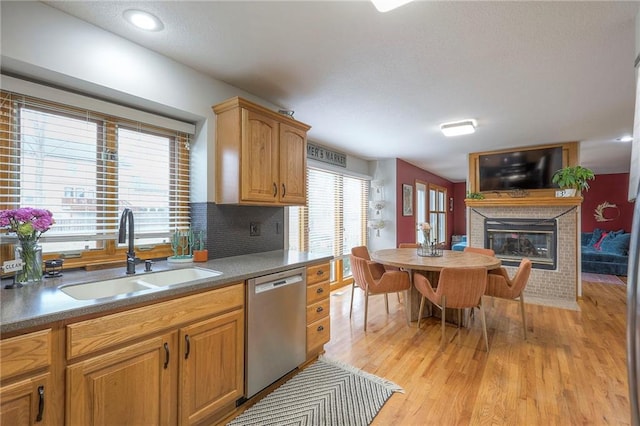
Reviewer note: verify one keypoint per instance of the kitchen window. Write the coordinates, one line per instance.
(86, 167)
(438, 212)
(333, 221)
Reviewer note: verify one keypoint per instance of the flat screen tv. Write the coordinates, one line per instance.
(529, 169)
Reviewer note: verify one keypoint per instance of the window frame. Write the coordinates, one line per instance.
(338, 277)
(107, 251)
(440, 191)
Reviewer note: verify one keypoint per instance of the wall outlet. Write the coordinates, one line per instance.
(12, 265)
(254, 229)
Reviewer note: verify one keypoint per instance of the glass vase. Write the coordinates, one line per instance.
(429, 250)
(30, 252)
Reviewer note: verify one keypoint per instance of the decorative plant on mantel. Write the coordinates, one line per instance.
(573, 177)
(475, 196)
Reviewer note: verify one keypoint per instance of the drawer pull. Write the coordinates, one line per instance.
(319, 309)
(166, 355)
(40, 404)
(320, 290)
(320, 328)
(188, 349)
(320, 272)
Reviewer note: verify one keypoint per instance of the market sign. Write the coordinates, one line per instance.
(319, 153)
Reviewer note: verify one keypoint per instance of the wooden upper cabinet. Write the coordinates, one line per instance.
(261, 156)
(293, 165)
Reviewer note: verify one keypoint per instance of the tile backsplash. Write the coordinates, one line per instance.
(228, 228)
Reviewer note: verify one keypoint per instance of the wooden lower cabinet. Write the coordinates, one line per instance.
(189, 372)
(29, 394)
(128, 386)
(211, 366)
(24, 403)
(318, 304)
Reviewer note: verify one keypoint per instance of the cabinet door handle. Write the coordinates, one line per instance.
(320, 328)
(319, 309)
(320, 290)
(166, 355)
(188, 349)
(40, 404)
(275, 189)
(284, 190)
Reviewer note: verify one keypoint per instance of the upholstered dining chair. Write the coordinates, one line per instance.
(377, 269)
(480, 250)
(500, 285)
(458, 288)
(365, 272)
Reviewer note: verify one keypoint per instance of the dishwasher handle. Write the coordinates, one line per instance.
(278, 283)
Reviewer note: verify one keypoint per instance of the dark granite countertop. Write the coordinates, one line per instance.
(36, 305)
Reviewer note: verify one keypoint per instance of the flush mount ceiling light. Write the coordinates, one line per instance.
(143, 20)
(627, 138)
(458, 128)
(387, 5)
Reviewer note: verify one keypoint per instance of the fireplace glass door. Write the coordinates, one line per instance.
(513, 239)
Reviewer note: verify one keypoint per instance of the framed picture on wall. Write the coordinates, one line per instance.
(407, 200)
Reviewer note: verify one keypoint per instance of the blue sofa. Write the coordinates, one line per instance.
(459, 246)
(605, 252)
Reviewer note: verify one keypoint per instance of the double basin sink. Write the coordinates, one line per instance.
(136, 283)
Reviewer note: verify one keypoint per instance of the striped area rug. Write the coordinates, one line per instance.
(325, 393)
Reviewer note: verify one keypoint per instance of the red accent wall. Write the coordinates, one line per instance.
(613, 189)
(408, 173)
(459, 208)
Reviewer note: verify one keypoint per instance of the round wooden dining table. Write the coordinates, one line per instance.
(409, 260)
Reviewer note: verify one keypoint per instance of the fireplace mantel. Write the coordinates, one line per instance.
(524, 202)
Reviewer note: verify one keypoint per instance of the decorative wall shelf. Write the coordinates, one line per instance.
(524, 202)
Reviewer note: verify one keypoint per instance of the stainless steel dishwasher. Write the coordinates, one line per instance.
(276, 327)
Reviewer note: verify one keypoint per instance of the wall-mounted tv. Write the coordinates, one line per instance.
(527, 169)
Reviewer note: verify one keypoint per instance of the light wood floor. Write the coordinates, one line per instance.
(571, 370)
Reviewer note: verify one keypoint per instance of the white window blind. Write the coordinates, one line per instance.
(335, 217)
(86, 167)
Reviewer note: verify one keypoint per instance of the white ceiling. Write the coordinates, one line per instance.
(377, 85)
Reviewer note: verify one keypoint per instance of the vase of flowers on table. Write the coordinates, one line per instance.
(28, 224)
(428, 247)
(423, 247)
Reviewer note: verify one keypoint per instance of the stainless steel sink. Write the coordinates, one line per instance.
(136, 283)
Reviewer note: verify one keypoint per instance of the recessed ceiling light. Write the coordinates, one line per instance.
(626, 138)
(387, 5)
(458, 128)
(143, 20)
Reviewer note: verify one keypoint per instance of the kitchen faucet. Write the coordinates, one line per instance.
(127, 215)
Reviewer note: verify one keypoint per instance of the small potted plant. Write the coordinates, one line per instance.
(475, 196)
(572, 179)
(200, 253)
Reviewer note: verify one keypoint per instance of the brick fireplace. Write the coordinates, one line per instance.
(513, 239)
(556, 276)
